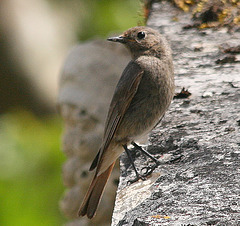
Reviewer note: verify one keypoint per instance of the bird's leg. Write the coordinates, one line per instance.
(149, 169)
(138, 176)
(146, 153)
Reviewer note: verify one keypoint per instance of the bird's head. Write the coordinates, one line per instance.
(143, 41)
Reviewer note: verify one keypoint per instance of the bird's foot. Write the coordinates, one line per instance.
(148, 171)
(137, 178)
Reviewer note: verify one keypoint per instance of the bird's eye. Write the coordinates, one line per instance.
(141, 35)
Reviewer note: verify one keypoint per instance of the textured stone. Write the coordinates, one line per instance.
(198, 181)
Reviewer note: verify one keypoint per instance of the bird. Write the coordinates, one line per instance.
(142, 96)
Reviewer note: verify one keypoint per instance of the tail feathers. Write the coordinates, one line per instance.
(94, 193)
(95, 161)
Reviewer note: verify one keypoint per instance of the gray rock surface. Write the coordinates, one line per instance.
(198, 141)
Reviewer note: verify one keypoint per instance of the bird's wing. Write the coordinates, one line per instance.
(124, 93)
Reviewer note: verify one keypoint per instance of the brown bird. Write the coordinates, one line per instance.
(141, 98)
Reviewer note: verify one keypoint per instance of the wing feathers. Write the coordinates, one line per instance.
(124, 93)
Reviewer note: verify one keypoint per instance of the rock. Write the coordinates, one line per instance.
(87, 82)
(207, 94)
(199, 185)
(70, 202)
(90, 74)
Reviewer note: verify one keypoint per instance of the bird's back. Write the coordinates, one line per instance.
(151, 100)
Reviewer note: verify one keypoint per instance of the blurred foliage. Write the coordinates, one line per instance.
(109, 15)
(30, 170)
(30, 157)
(97, 18)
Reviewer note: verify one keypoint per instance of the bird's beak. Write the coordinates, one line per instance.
(120, 39)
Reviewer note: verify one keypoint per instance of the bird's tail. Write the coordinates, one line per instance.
(94, 193)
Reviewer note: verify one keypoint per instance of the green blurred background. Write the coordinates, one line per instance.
(35, 38)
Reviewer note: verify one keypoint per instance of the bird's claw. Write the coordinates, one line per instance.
(137, 178)
(147, 169)
(143, 177)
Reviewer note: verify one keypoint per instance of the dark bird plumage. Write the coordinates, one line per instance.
(141, 98)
